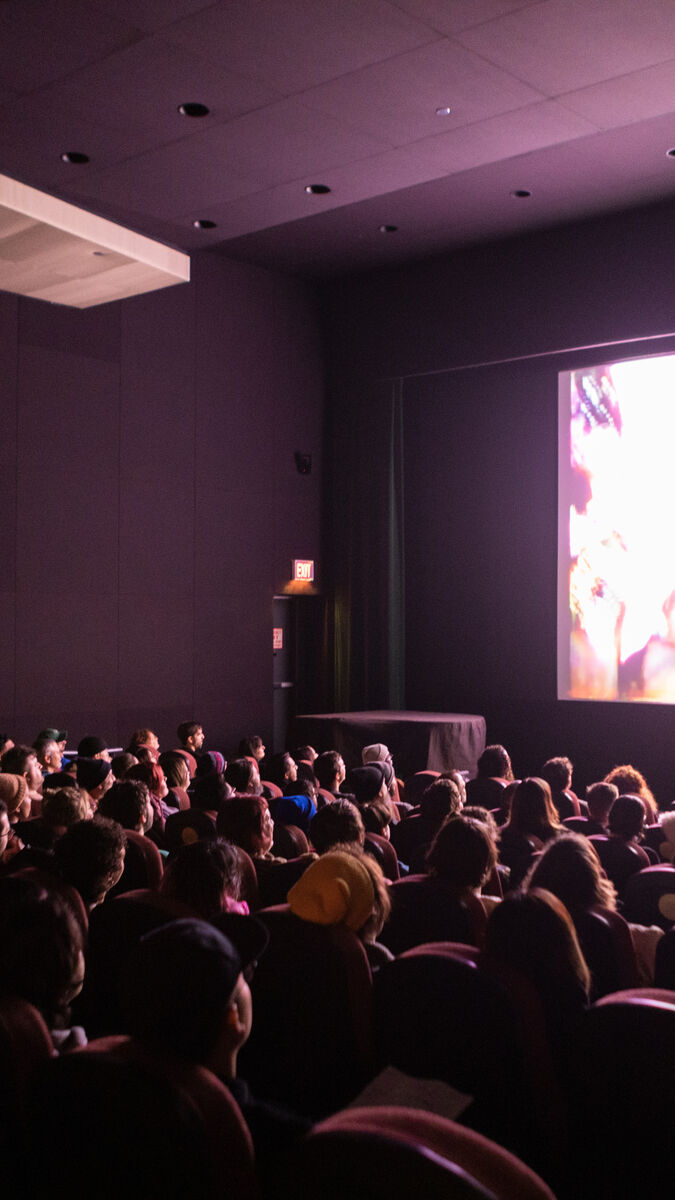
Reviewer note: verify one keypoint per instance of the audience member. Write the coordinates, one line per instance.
(93, 747)
(90, 857)
(94, 777)
(345, 887)
(22, 761)
(243, 776)
(190, 736)
(557, 773)
(631, 782)
(533, 822)
(330, 771)
(205, 876)
(337, 824)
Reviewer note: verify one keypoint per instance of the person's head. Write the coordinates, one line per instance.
(336, 889)
(211, 762)
(64, 807)
(152, 775)
(90, 857)
(48, 754)
(600, 798)
(302, 787)
(329, 769)
(336, 824)
(632, 782)
(367, 783)
(209, 792)
(182, 960)
(51, 734)
(532, 932)
(483, 815)
(281, 769)
(204, 875)
(243, 775)
(458, 779)
(494, 763)
(377, 817)
(175, 768)
(627, 818)
(94, 776)
(22, 760)
(252, 747)
(570, 868)
(557, 772)
(305, 754)
(144, 737)
(533, 812)
(440, 800)
(14, 796)
(121, 763)
(191, 736)
(377, 752)
(128, 803)
(93, 747)
(462, 853)
(41, 947)
(246, 821)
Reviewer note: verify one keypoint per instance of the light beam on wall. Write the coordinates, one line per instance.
(54, 251)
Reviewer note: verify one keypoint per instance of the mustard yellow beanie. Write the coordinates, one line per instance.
(336, 889)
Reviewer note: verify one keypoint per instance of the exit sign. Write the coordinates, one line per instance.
(303, 569)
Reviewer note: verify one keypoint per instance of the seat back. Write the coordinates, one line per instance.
(25, 1044)
(426, 909)
(439, 1014)
(625, 1091)
(643, 892)
(116, 1119)
(607, 945)
(310, 1047)
(384, 853)
(186, 826)
(289, 841)
(619, 860)
(143, 866)
(398, 1152)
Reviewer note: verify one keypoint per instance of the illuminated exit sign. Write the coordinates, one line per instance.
(303, 570)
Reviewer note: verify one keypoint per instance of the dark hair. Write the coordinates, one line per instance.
(336, 824)
(569, 867)
(276, 768)
(125, 803)
(174, 765)
(300, 787)
(64, 806)
(90, 856)
(557, 773)
(14, 760)
(533, 933)
(326, 767)
(462, 852)
(241, 775)
(377, 815)
(40, 946)
(440, 799)
(494, 763)
(304, 754)
(240, 820)
(209, 792)
(121, 763)
(532, 810)
(187, 729)
(600, 798)
(249, 745)
(202, 875)
(627, 817)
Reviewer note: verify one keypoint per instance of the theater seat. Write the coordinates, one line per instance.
(391, 1153)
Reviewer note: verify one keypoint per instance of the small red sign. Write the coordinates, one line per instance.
(277, 639)
(303, 569)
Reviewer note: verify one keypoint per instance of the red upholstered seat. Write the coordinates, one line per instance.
(403, 1152)
(310, 1046)
(25, 1044)
(643, 892)
(117, 1119)
(384, 853)
(426, 909)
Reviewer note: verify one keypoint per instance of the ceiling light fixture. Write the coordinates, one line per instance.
(388, 229)
(521, 193)
(74, 156)
(192, 109)
(202, 223)
(317, 189)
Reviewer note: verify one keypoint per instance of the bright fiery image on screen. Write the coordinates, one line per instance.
(616, 544)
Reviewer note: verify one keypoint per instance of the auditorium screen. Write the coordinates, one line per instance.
(616, 535)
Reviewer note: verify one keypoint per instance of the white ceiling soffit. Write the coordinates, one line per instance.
(54, 251)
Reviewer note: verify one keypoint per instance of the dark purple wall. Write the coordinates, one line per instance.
(151, 506)
(481, 465)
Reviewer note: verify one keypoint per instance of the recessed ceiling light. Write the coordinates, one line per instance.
(192, 109)
(74, 156)
(521, 193)
(202, 223)
(671, 153)
(443, 111)
(388, 228)
(317, 189)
